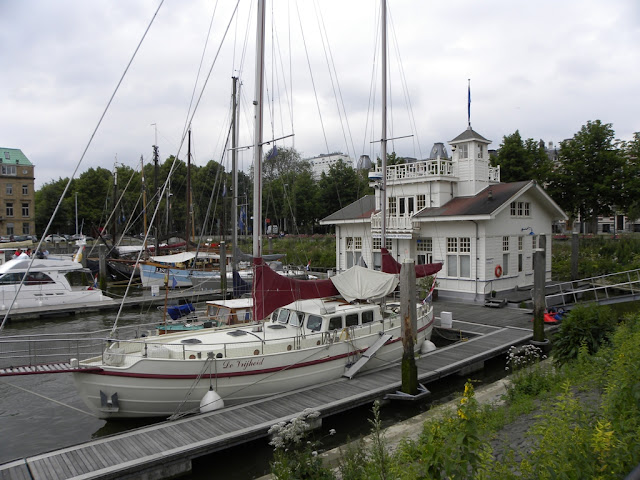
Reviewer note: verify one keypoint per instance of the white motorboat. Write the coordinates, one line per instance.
(301, 344)
(46, 282)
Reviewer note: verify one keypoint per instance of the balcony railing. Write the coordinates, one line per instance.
(401, 224)
(426, 168)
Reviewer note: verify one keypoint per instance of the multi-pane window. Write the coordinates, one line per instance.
(25, 228)
(520, 209)
(25, 189)
(392, 205)
(9, 170)
(505, 255)
(424, 248)
(421, 201)
(9, 209)
(25, 210)
(9, 189)
(480, 150)
(10, 229)
(354, 250)
(377, 255)
(464, 150)
(520, 255)
(458, 257)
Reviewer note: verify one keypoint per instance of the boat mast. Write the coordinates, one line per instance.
(156, 230)
(257, 140)
(144, 205)
(188, 227)
(383, 140)
(234, 170)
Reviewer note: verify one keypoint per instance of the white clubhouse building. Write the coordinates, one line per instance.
(454, 211)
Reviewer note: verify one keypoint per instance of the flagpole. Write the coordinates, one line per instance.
(469, 102)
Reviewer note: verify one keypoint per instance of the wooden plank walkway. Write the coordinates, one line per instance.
(169, 447)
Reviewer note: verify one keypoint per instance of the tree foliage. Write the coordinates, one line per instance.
(522, 160)
(589, 177)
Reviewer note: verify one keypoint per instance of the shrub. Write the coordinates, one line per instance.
(588, 325)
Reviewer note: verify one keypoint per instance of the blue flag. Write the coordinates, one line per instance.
(174, 282)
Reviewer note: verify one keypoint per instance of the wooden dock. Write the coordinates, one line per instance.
(166, 449)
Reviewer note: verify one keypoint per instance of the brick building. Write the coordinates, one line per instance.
(17, 193)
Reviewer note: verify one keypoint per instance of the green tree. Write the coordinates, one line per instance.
(340, 187)
(522, 160)
(629, 200)
(46, 200)
(589, 178)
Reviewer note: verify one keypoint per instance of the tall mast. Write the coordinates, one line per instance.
(234, 170)
(144, 203)
(383, 140)
(188, 228)
(156, 230)
(115, 201)
(257, 139)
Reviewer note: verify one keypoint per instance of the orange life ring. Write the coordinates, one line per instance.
(498, 271)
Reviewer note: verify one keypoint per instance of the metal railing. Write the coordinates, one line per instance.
(597, 289)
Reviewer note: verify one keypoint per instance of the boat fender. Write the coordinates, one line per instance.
(211, 401)
(427, 346)
(498, 271)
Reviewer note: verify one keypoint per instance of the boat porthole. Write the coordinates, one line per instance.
(192, 357)
(256, 352)
(318, 342)
(288, 347)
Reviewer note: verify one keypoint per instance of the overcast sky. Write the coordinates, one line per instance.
(544, 68)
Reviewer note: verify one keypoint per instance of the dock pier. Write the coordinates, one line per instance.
(168, 448)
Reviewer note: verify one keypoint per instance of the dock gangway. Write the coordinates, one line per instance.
(603, 289)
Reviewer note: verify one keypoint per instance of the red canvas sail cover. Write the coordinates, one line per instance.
(391, 265)
(272, 290)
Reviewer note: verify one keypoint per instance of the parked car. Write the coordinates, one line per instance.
(20, 238)
(55, 239)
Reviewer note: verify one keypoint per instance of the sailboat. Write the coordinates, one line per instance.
(311, 331)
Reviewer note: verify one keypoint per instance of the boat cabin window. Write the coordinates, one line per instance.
(352, 319)
(37, 278)
(224, 315)
(296, 318)
(367, 317)
(314, 323)
(243, 315)
(280, 316)
(335, 323)
(10, 278)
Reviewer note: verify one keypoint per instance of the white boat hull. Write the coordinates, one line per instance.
(157, 387)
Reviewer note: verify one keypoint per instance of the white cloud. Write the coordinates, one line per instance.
(543, 68)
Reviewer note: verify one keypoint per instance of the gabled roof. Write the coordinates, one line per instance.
(489, 201)
(469, 134)
(361, 209)
(13, 156)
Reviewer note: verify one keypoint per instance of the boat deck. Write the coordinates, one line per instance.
(167, 448)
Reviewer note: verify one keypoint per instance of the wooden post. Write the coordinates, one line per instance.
(409, 326)
(223, 270)
(539, 282)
